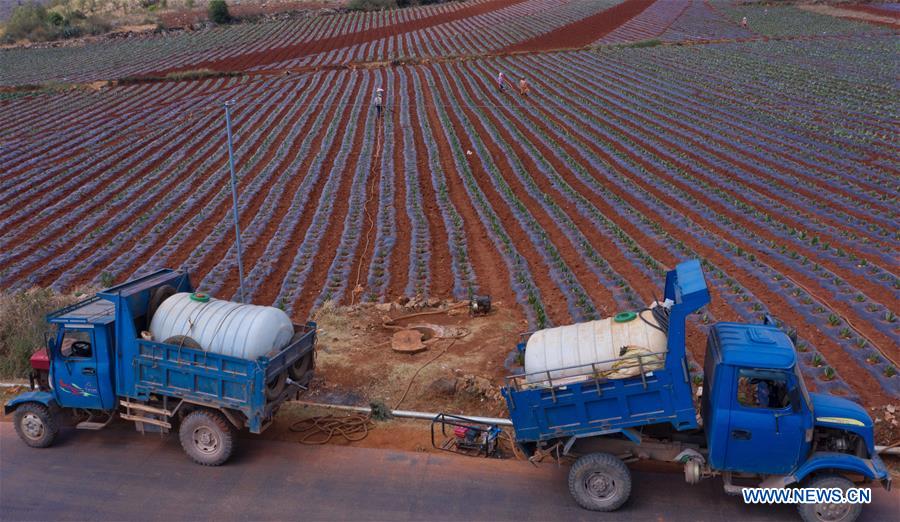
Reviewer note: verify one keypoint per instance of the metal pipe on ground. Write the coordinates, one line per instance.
(408, 414)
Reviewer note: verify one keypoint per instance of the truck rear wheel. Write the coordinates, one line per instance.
(35, 425)
(207, 437)
(830, 512)
(600, 482)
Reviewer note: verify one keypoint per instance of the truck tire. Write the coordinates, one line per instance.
(207, 437)
(183, 341)
(35, 425)
(600, 482)
(275, 387)
(829, 512)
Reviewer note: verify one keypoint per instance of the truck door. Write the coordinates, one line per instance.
(765, 431)
(75, 368)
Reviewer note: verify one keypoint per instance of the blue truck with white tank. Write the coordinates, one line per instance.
(758, 426)
(155, 352)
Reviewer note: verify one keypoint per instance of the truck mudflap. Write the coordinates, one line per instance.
(872, 469)
(42, 397)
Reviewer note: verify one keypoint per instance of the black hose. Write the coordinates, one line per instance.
(661, 314)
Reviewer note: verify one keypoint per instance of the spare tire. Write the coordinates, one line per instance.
(275, 387)
(156, 298)
(183, 341)
(300, 370)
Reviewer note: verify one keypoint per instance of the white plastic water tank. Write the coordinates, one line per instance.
(575, 347)
(223, 327)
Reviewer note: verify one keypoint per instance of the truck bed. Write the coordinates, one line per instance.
(592, 404)
(215, 380)
(543, 408)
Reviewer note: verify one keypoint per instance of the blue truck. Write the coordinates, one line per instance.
(758, 426)
(97, 366)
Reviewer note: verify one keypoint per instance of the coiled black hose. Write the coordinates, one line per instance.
(661, 314)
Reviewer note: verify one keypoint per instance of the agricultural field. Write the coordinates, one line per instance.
(654, 131)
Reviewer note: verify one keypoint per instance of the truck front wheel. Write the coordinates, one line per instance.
(207, 437)
(35, 425)
(600, 482)
(830, 512)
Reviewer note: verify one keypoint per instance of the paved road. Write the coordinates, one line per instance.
(121, 475)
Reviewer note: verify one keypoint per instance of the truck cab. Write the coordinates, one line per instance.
(754, 396)
(82, 355)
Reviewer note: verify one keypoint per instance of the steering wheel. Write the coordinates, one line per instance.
(81, 348)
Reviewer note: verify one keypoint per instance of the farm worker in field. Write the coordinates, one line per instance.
(501, 81)
(524, 88)
(379, 101)
(744, 22)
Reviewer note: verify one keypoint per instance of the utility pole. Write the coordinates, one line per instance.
(234, 197)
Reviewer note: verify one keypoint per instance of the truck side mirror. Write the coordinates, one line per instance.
(48, 340)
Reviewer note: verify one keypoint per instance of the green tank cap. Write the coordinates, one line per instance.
(624, 317)
(200, 297)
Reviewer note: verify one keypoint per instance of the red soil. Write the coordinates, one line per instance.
(645, 288)
(330, 241)
(814, 286)
(442, 280)
(71, 208)
(136, 205)
(255, 250)
(197, 179)
(272, 56)
(492, 275)
(819, 183)
(129, 132)
(877, 10)
(858, 378)
(585, 31)
(269, 292)
(874, 290)
(600, 296)
(873, 9)
(365, 250)
(224, 207)
(555, 303)
(399, 258)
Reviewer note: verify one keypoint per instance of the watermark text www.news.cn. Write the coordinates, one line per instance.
(807, 496)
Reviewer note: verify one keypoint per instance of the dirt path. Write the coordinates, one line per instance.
(870, 14)
(585, 31)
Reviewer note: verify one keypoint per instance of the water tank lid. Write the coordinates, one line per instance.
(624, 317)
(200, 297)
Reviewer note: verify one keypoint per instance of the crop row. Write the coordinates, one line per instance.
(571, 202)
